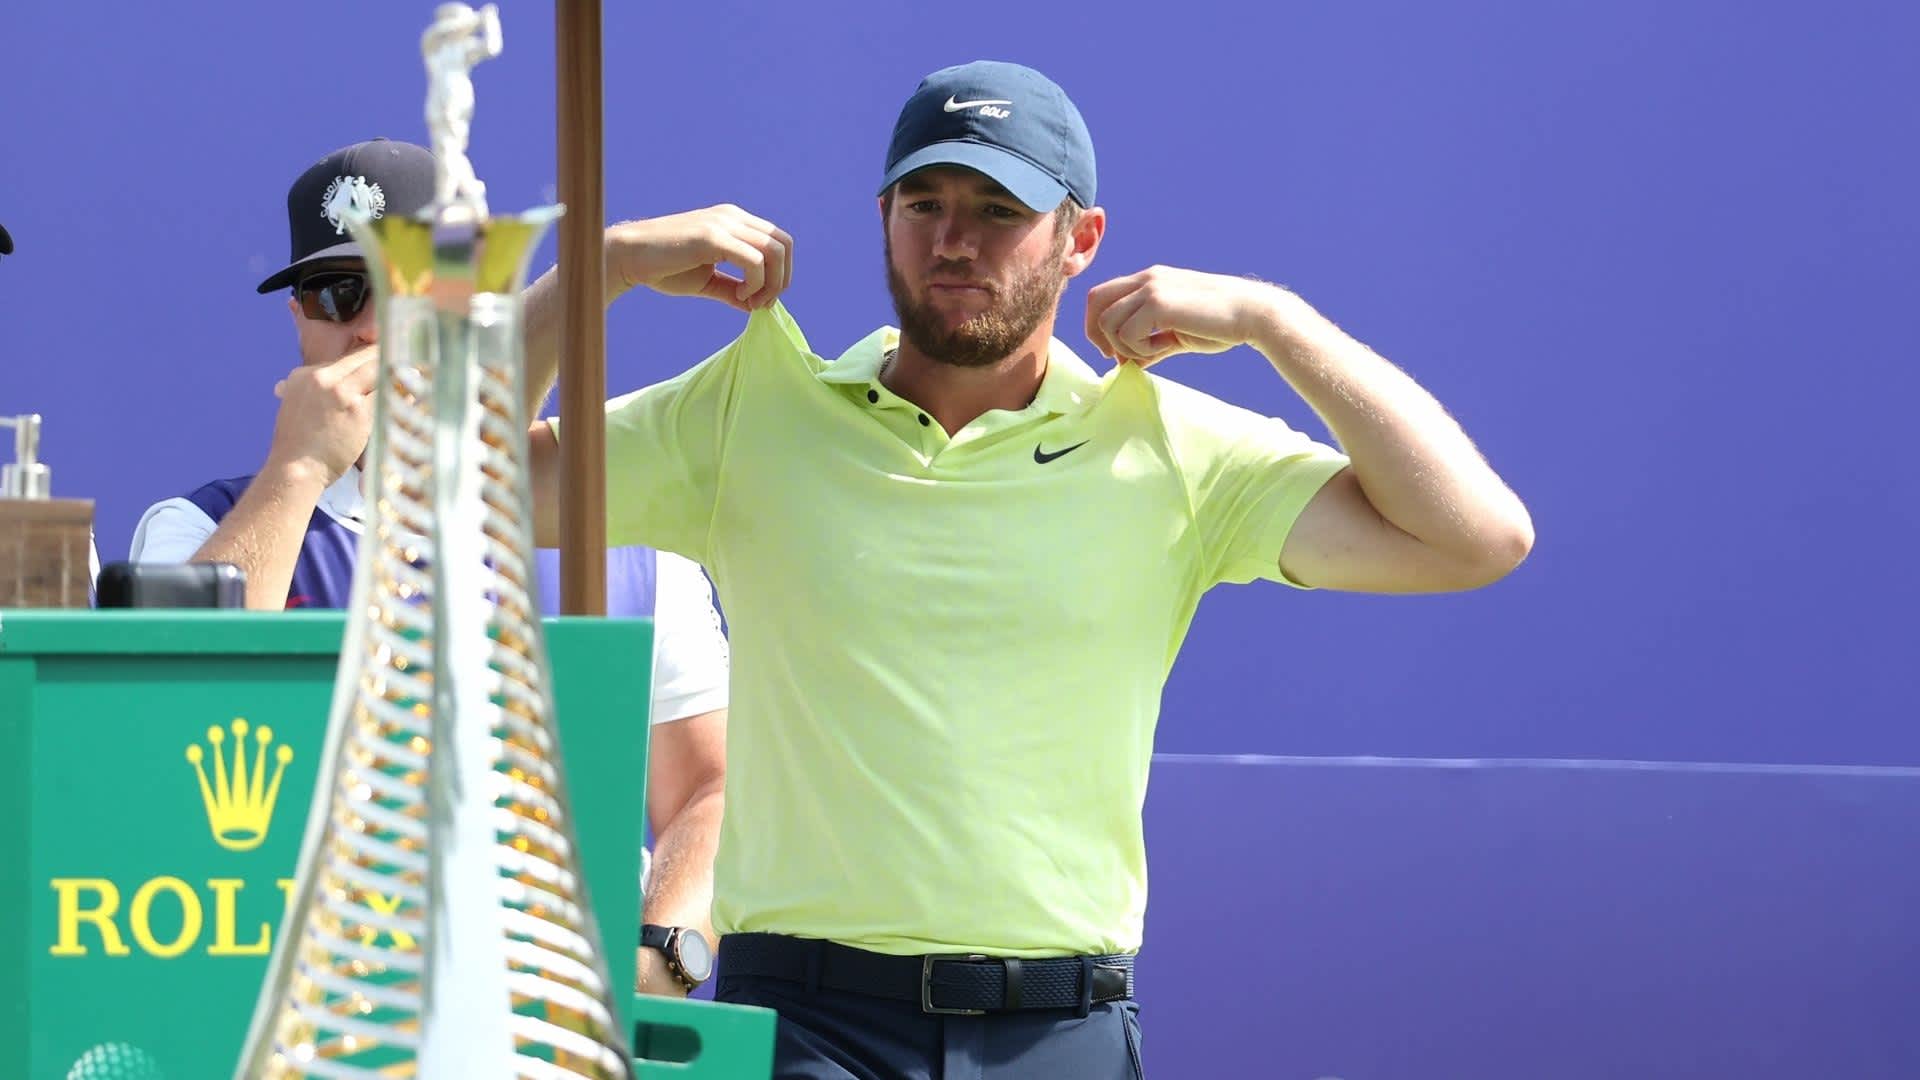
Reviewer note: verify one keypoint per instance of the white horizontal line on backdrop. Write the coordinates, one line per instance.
(1900, 772)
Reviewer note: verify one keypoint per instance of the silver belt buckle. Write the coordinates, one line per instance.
(926, 983)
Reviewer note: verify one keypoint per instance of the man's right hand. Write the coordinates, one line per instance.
(326, 414)
(681, 254)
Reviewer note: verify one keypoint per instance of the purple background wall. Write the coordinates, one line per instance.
(1658, 258)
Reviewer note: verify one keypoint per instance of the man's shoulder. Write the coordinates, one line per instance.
(772, 345)
(775, 326)
(1133, 398)
(1182, 403)
(213, 498)
(770, 335)
(1202, 433)
(769, 346)
(173, 528)
(228, 488)
(1189, 413)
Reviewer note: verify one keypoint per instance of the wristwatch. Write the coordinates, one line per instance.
(689, 957)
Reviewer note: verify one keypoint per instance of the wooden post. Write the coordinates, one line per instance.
(583, 327)
(44, 545)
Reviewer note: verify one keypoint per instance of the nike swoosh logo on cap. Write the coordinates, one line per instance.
(956, 106)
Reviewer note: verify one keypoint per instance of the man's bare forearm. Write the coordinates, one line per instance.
(540, 317)
(264, 531)
(544, 308)
(680, 886)
(1413, 461)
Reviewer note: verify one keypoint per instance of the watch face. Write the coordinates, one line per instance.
(696, 956)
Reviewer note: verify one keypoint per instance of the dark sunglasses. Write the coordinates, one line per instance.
(334, 295)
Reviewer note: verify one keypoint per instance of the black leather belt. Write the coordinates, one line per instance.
(964, 984)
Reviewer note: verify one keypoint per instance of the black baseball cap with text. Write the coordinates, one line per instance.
(1003, 120)
(378, 177)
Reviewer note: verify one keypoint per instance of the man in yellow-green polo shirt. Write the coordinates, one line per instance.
(958, 563)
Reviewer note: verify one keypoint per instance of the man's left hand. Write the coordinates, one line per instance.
(1146, 317)
(652, 977)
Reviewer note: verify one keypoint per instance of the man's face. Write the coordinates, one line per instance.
(973, 272)
(327, 290)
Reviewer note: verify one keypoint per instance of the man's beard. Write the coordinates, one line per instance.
(988, 337)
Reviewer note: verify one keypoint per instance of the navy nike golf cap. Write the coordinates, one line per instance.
(1006, 121)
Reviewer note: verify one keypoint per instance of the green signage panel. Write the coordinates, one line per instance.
(159, 767)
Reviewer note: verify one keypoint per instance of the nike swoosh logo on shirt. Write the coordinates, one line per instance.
(956, 106)
(1041, 457)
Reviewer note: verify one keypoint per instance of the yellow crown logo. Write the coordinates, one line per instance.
(240, 806)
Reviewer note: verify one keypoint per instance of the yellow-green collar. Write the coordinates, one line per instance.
(1068, 386)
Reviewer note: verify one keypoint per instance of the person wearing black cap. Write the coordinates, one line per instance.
(294, 525)
(958, 565)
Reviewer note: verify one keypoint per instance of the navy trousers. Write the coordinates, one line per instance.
(828, 1034)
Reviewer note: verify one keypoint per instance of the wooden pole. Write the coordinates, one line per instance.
(583, 327)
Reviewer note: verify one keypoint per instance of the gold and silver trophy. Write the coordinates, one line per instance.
(441, 784)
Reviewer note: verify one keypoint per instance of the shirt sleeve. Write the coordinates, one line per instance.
(170, 532)
(1249, 476)
(666, 444)
(690, 660)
